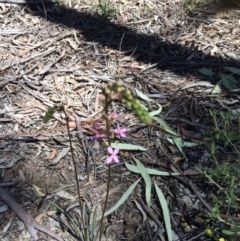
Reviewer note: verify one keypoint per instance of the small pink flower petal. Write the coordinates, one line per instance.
(109, 159)
(122, 135)
(120, 131)
(115, 158)
(112, 155)
(95, 126)
(98, 136)
(114, 115)
(110, 150)
(115, 151)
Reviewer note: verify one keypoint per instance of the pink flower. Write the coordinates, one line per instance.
(120, 131)
(113, 116)
(112, 155)
(95, 126)
(98, 136)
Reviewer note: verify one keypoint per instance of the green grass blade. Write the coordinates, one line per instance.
(70, 220)
(206, 71)
(122, 199)
(135, 169)
(233, 70)
(147, 180)
(165, 125)
(156, 112)
(143, 96)
(165, 210)
(124, 146)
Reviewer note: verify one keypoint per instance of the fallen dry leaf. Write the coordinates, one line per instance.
(53, 153)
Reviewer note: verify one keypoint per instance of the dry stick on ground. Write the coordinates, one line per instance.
(25, 217)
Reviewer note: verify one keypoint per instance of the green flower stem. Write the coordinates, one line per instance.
(109, 165)
(75, 171)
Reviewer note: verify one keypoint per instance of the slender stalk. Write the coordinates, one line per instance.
(109, 166)
(76, 176)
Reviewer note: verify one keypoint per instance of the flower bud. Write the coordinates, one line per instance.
(110, 85)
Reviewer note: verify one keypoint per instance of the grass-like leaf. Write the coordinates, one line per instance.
(143, 96)
(179, 143)
(206, 71)
(165, 125)
(166, 214)
(229, 82)
(156, 112)
(71, 221)
(122, 199)
(233, 70)
(135, 169)
(124, 146)
(217, 89)
(147, 180)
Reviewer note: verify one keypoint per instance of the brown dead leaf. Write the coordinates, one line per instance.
(173, 149)
(70, 79)
(40, 217)
(58, 81)
(112, 51)
(53, 153)
(23, 52)
(177, 159)
(7, 214)
(72, 124)
(94, 63)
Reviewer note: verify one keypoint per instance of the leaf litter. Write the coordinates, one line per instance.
(61, 54)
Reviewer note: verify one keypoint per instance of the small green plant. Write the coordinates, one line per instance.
(226, 78)
(192, 6)
(105, 8)
(112, 91)
(223, 172)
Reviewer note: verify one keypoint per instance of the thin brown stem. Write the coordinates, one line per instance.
(76, 175)
(109, 166)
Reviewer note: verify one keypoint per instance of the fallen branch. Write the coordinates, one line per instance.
(25, 217)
